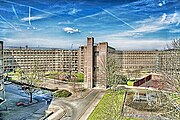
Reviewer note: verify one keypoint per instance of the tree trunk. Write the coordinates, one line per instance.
(30, 97)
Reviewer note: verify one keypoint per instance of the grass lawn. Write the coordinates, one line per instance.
(109, 108)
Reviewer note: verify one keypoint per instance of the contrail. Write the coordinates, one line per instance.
(14, 10)
(29, 6)
(8, 22)
(118, 18)
(88, 16)
(29, 15)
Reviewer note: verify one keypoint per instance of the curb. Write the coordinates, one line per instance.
(57, 115)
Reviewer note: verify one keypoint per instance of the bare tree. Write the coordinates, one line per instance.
(111, 70)
(170, 107)
(30, 78)
(171, 67)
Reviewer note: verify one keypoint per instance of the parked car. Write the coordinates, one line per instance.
(19, 104)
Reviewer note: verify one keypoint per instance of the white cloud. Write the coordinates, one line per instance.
(43, 42)
(150, 25)
(71, 30)
(65, 22)
(31, 28)
(73, 11)
(163, 17)
(139, 44)
(162, 3)
(119, 44)
(175, 15)
(174, 31)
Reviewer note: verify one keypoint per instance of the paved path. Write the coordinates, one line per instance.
(75, 109)
(92, 106)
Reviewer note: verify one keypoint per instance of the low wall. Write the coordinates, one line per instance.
(54, 112)
(143, 80)
(147, 78)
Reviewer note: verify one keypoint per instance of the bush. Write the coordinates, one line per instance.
(62, 93)
(130, 83)
(80, 77)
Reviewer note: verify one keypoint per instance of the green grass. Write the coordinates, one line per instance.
(14, 78)
(56, 75)
(10, 74)
(130, 83)
(104, 111)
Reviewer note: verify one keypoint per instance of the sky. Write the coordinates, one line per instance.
(124, 24)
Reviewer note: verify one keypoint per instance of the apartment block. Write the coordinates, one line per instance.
(93, 61)
(46, 60)
(139, 60)
(90, 59)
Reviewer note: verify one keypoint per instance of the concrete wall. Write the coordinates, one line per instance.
(100, 68)
(89, 63)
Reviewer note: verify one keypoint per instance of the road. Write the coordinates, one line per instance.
(74, 109)
(14, 94)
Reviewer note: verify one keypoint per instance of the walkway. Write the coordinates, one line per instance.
(76, 109)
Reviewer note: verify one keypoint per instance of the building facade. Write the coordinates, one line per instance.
(90, 59)
(2, 88)
(93, 60)
(46, 60)
(139, 60)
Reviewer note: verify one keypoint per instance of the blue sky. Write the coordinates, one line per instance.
(125, 24)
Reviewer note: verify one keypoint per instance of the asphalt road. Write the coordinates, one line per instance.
(16, 89)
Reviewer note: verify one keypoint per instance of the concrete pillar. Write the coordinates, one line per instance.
(90, 51)
(101, 64)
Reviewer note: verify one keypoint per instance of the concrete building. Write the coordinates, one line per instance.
(143, 60)
(93, 61)
(2, 88)
(90, 59)
(93, 58)
(47, 60)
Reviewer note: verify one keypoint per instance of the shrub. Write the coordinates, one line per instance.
(62, 93)
(130, 83)
(80, 77)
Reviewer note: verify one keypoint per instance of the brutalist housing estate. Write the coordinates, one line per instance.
(90, 59)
